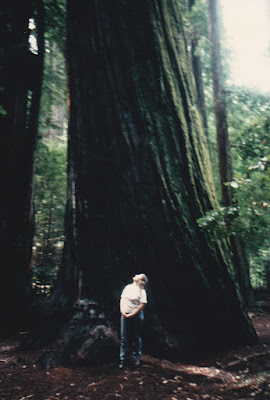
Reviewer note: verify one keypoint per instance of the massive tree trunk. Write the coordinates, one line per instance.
(224, 152)
(21, 75)
(141, 178)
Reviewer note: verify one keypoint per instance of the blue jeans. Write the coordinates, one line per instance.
(131, 332)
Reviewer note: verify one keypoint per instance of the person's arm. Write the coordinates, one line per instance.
(135, 312)
(122, 309)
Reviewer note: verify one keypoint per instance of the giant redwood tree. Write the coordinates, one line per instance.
(140, 177)
(20, 75)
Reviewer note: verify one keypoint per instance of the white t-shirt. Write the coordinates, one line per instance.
(132, 296)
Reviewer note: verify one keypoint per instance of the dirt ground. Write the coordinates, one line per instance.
(243, 373)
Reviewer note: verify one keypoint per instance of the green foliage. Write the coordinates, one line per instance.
(251, 215)
(50, 195)
(254, 194)
(249, 120)
(198, 18)
(55, 21)
(248, 112)
(214, 220)
(53, 115)
(2, 111)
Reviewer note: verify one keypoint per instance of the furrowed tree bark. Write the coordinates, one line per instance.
(142, 177)
(21, 76)
(224, 152)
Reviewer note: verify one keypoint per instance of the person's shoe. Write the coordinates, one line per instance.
(122, 364)
(137, 363)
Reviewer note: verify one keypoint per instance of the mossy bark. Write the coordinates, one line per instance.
(142, 175)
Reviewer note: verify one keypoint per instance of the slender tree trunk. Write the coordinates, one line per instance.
(49, 226)
(224, 151)
(141, 177)
(197, 69)
(69, 274)
(223, 144)
(21, 76)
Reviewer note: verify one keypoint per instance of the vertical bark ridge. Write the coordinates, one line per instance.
(186, 104)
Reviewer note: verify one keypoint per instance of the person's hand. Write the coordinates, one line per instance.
(129, 315)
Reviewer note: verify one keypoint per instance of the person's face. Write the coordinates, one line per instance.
(138, 280)
(137, 277)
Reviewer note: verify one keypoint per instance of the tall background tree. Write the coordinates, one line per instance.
(51, 154)
(224, 151)
(21, 76)
(140, 177)
(196, 63)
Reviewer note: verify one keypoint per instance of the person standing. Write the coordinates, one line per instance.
(132, 302)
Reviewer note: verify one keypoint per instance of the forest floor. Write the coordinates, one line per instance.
(242, 373)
